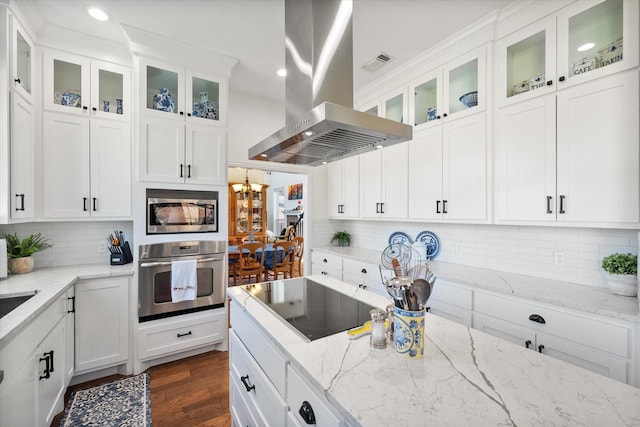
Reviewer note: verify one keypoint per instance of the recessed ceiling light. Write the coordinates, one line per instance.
(97, 13)
(586, 46)
(282, 72)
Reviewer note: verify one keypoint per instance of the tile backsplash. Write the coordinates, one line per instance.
(519, 249)
(74, 243)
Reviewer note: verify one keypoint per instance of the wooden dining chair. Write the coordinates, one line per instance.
(282, 265)
(251, 262)
(297, 256)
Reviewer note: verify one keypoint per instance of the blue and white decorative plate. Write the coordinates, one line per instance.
(400, 237)
(431, 242)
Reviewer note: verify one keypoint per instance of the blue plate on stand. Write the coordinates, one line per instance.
(431, 242)
(400, 237)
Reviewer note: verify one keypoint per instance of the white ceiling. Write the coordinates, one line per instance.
(252, 31)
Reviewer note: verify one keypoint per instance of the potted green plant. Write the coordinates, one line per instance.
(19, 251)
(622, 271)
(343, 238)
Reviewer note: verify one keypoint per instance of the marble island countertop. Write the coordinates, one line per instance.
(465, 378)
(589, 299)
(50, 283)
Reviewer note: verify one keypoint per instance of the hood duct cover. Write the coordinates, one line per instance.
(322, 125)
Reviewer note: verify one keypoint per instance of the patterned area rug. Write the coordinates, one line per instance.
(120, 403)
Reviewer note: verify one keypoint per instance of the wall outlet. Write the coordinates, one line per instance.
(102, 247)
(458, 246)
(558, 259)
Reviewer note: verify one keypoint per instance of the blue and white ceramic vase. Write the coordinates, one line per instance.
(105, 106)
(118, 105)
(408, 331)
(163, 101)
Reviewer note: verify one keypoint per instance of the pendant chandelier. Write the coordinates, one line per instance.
(246, 188)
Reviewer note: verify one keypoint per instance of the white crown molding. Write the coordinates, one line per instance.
(156, 46)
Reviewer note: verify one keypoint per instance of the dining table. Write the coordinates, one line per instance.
(234, 255)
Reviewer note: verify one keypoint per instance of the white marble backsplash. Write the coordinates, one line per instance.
(518, 249)
(74, 243)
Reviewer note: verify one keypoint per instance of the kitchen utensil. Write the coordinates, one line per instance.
(422, 290)
(399, 252)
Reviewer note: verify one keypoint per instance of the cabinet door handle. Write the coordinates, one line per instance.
(183, 335)
(188, 171)
(438, 117)
(549, 82)
(84, 204)
(73, 304)
(438, 206)
(21, 208)
(48, 360)
(94, 204)
(377, 207)
(188, 114)
(561, 78)
(381, 207)
(94, 108)
(561, 210)
(245, 381)
(84, 107)
(540, 348)
(527, 343)
(181, 168)
(306, 412)
(444, 115)
(364, 270)
(444, 206)
(537, 318)
(549, 198)
(17, 80)
(182, 113)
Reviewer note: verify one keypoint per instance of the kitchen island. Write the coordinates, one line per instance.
(466, 377)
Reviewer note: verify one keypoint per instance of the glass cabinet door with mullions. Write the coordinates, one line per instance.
(204, 99)
(21, 60)
(163, 90)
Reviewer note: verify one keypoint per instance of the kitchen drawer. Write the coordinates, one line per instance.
(596, 333)
(241, 412)
(322, 269)
(449, 311)
(368, 283)
(262, 399)
(452, 294)
(300, 391)
(328, 260)
(272, 362)
(362, 269)
(166, 336)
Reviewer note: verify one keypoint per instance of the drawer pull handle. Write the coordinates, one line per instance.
(527, 343)
(184, 335)
(324, 260)
(537, 318)
(306, 412)
(540, 348)
(364, 271)
(245, 381)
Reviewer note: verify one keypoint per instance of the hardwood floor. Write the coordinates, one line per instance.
(188, 393)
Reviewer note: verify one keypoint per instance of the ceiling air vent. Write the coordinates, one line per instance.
(376, 63)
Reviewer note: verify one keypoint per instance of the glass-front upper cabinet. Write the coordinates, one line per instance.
(167, 88)
(394, 105)
(110, 91)
(453, 91)
(21, 60)
(66, 82)
(596, 38)
(583, 41)
(372, 107)
(527, 62)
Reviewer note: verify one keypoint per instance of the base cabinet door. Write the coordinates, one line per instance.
(51, 386)
(102, 323)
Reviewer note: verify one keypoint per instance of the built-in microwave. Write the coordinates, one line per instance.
(181, 211)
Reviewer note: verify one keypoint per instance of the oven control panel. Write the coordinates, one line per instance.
(185, 250)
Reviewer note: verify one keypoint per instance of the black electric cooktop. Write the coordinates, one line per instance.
(311, 309)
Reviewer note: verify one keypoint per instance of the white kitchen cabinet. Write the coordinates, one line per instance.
(171, 151)
(579, 144)
(391, 105)
(86, 167)
(21, 60)
(363, 275)
(343, 188)
(448, 171)
(451, 301)
(438, 94)
(384, 182)
(33, 364)
(70, 319)
(78, 85)
(173, 335)
(552, 53)
(593, 343)
(22, 158)
(101, 323)
(326, 264)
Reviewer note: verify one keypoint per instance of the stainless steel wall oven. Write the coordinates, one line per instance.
(181, 211)
(154, 278)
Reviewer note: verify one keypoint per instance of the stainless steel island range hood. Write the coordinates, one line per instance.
(322, 125)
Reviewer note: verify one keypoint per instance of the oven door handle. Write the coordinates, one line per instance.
(163, 263)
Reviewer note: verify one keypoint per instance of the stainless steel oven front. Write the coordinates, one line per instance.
(154, 278)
